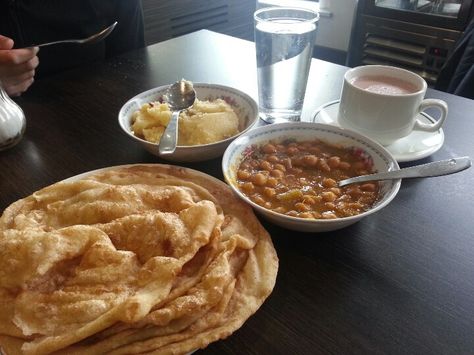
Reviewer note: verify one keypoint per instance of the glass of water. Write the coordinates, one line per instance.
(284, 39)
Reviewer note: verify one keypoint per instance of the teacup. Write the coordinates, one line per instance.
(382, 102)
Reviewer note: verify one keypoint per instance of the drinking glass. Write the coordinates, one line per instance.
(284, 40)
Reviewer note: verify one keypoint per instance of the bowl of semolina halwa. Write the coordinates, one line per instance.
(219, 115)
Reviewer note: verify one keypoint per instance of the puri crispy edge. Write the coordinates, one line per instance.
(138, 259)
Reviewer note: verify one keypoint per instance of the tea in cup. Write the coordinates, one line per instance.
(383, 102)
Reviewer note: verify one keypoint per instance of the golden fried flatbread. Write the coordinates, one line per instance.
(132, 259)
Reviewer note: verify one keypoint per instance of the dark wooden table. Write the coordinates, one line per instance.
(398, 282)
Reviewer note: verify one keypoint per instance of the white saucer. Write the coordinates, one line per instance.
(417, 145)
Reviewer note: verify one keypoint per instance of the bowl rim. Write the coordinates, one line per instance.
(262, 130)
(244, 95)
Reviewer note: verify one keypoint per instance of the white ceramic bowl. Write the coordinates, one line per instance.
(300, 131)
(245, 107)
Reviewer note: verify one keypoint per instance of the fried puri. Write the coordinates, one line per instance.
(135, 259)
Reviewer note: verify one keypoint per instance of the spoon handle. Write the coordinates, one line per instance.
(169, 139)
(437, 168)
(91, 39)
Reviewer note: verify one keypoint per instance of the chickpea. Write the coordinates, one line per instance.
(292, 213)
(330, 205)
(259, 179)
(336, 190)
(279, 167)
(243, 174)
(329, 196)
(266, 165)
(247, 187)
(258, 199)
(309, 200)
(333, 162)
(328, 182)
(272, 182)
(277, 173)
(310, 160)
(301, 207)
(306, 215)
(317, 215)
(317, 199)
(269, 192)
(280, 209)
(267, 205)
(355, 205)
(273, 159)
(280, 148)
(269, 148)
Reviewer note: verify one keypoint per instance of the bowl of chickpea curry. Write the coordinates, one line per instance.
(289, 173)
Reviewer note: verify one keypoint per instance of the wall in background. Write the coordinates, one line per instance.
(335, 31)
(165, 19)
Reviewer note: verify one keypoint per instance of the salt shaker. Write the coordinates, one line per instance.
(12, 121)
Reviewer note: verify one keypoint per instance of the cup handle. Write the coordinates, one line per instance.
(432, 127)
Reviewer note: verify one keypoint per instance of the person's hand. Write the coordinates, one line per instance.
(17, 67)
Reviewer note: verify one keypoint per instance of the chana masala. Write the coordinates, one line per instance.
(300, 179)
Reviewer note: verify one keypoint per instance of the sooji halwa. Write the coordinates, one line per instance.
(140, 259)
(299, 179)
(203, 123)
